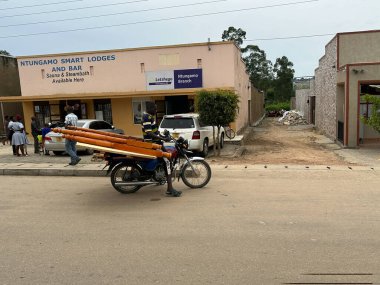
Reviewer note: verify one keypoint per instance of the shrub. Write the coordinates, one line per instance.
(277, 107)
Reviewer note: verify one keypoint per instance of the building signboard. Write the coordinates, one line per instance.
(174, 79)
(65, 69)
(160, 80)
(188, 78)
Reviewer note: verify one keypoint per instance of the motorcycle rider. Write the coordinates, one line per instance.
(151, 134)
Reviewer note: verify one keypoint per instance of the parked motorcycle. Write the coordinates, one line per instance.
(129, 174)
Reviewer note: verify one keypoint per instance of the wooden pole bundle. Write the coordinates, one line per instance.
(104, 136)
(103, 133)
(119, 146)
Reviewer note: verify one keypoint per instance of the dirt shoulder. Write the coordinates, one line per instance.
(274, 143)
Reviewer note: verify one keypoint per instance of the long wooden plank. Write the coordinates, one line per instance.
(115, 135)
(106, 137)
(125, 147)
(117, 151)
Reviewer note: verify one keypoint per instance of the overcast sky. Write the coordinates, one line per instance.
(85, 29)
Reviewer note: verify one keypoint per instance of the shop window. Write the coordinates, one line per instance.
(103, 110)
(199, 63)
(138, 108)
(83, 110)
(55, 114)
(42, 113)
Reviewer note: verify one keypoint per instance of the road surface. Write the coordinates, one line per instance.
(245, 227)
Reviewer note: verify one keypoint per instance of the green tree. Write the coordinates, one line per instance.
(374, 119)
(233, 34)
(283, 82)
(260, 69)
(276, 81)
(4, 52)
(217, 108)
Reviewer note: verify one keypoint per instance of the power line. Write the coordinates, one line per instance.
(160, 20)
(73, 9)
(290, 37)
(38, 5)
(113, 14)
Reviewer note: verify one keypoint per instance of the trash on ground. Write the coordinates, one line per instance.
(292, 118)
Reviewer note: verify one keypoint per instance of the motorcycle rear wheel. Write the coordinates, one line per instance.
(125, 173)
(201, 176)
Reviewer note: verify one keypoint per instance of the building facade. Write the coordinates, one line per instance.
(114, 85)
(349, 70)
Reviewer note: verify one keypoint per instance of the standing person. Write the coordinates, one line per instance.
(10, 134)
(35, 132)
(26, 142)
(18, 137)
(151, 134)
(71, 120)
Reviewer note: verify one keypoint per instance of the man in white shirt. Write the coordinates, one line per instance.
(71, 120)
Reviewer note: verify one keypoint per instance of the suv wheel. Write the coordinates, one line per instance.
(205, 148)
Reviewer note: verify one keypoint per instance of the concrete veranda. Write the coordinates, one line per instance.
(57, 165)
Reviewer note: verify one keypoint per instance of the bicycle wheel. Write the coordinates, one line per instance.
(200, 177)
(230, 133)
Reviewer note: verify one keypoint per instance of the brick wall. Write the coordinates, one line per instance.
(325, 91)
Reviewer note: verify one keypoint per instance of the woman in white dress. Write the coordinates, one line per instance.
(18, 138)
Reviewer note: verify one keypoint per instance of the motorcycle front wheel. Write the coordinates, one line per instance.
(122, 174)
(197, 178)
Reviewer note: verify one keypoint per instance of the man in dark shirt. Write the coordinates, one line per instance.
(151, 134)
(35, 132)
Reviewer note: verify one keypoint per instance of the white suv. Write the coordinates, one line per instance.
(188, 126)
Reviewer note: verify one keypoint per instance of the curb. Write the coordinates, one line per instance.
(84, 170)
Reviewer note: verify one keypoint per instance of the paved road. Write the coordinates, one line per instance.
(249, 226)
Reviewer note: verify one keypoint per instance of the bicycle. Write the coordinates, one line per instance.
(230, 133)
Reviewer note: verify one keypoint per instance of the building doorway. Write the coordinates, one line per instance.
(73, 103)
(312, 110)
(177, 104)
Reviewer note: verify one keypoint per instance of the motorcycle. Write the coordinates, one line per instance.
(129, 174)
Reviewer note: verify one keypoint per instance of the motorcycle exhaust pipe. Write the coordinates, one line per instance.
(136, 183)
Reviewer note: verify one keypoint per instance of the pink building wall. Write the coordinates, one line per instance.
(121, 70)
(121, 75)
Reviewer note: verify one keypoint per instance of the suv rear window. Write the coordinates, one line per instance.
(177, 123)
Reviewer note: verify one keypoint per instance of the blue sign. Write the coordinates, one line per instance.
(188, 78)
